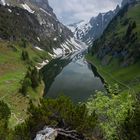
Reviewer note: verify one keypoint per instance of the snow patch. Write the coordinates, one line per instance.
(39, 48)
(58, 51)
(10, 10)
(41, 65)
(26, 7)
(55, 39)
(45, 11)
(38, 39)
(3, 2)
(80, 29)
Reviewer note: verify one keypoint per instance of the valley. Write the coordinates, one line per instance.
(74, 82)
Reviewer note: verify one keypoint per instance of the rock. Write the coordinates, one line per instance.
(46, 134)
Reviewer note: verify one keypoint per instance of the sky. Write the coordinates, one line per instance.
(70, 11)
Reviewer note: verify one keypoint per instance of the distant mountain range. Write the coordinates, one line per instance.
(90, 31)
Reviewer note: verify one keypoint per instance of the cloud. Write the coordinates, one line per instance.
(69, 11)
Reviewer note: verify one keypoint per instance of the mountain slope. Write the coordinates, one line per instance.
(13, 69)
(122, 37)
(117, 52)
(44, 31)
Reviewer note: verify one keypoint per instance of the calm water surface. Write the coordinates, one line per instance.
(72, 76)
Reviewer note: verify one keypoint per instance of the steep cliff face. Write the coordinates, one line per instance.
(99, 24)
(35, 21)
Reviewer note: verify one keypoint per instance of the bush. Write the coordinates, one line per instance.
(111, 110)
(131, 125)
(24, 55)
(25, 85)
(128, 35)
(35, 77)
(32, 79)
(59, 113)
(4, 117)
(23, 43)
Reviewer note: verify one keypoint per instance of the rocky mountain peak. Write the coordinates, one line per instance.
(43, 4)
(93, 29)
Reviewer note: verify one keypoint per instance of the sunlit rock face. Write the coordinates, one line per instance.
(44, 4)
(46, 134)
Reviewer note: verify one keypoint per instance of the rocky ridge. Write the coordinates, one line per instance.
(35, 21)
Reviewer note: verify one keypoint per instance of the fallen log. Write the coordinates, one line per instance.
(69, 134)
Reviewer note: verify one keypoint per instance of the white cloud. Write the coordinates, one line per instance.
(69, 11)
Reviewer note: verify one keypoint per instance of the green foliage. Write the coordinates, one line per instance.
(35, 77)
(131, 125)
(4, 111)
(32, 79)
(130, 28)
(112, 111)
(23, 43)
(24, 55)
(25, 85)
(4, 117)
(60, 112)
(19, 134)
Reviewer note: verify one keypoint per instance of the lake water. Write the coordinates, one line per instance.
(72, 76)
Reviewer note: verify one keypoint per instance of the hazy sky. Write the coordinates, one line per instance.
(69, 11)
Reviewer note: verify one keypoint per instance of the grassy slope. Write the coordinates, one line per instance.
(119, 29)
(126, 77)
(12, 71)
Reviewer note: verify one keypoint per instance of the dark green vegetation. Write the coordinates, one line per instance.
(56, 113)
(113, 117)
(61, 113)
(4, 117)
(32, 79)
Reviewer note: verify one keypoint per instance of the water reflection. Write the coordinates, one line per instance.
(72, 76)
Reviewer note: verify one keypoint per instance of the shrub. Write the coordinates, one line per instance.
(112, 110)
(4, 117)
(24, 55)
(25, 85)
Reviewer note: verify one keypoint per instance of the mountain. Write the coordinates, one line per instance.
(92, 30)
(99, 24)
(121, 38)
(80, 29)
(35, 21)
(89, 31)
